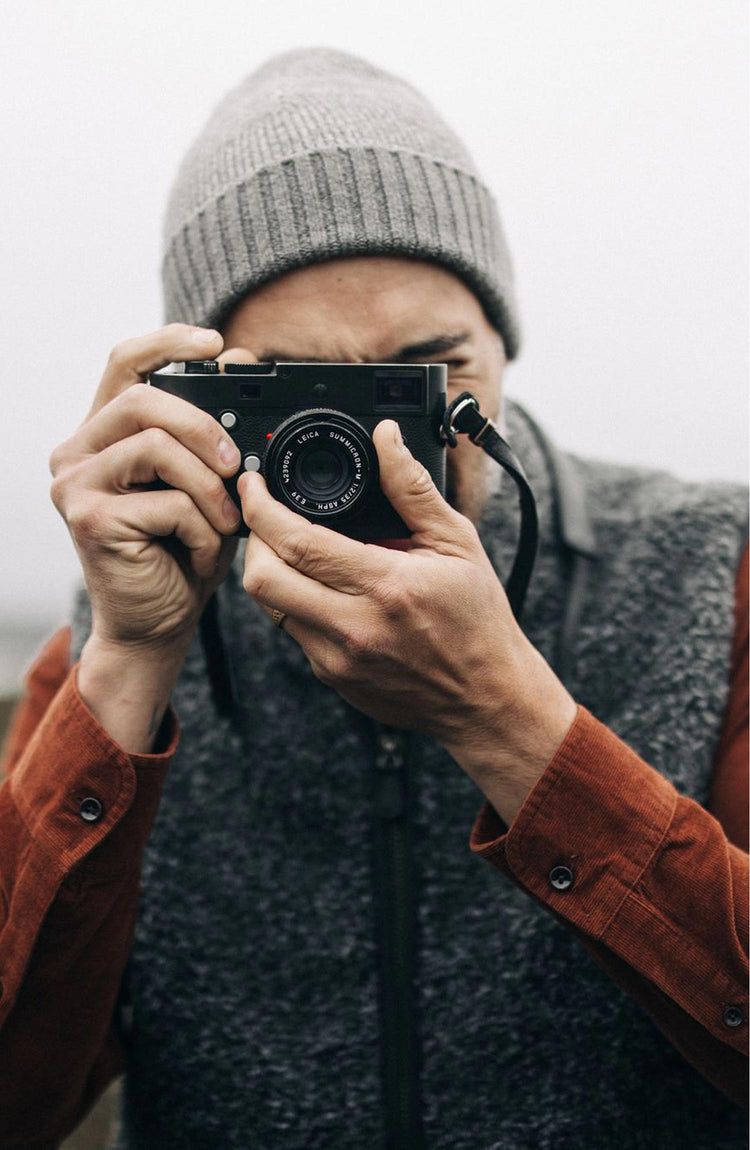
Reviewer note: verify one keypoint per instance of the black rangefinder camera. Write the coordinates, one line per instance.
(307, 427)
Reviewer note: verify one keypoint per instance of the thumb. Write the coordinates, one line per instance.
(408, 485)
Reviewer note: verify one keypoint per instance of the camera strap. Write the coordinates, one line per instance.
(463, 416)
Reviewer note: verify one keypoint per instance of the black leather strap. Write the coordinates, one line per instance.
(396, 941)
(217, 661)
(573, 520)
(574, 527)
(577, 541)
(463, 415)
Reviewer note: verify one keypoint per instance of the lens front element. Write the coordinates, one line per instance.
(320, 463)
(320, 473)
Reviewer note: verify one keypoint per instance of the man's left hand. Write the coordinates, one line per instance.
(423, 638)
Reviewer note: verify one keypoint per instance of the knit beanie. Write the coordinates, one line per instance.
(319, 154)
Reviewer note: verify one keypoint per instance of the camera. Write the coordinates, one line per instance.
(307, 427)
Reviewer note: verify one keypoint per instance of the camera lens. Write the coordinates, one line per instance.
(320, 462)
(320, 472)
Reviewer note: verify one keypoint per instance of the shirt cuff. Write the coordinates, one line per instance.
(74, 784)
(607, 844)
(588, 828)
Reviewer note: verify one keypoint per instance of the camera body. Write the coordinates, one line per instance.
(307, 427)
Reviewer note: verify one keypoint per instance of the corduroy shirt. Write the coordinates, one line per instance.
(76, 812)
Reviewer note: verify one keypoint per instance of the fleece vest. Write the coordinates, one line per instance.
(252, 978)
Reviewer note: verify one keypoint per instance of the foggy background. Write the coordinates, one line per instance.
(613, 135)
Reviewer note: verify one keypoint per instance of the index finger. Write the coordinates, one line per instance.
(141, 407)
(327, 556)
(130, 361)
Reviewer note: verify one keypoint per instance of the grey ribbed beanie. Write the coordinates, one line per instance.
(319, 154)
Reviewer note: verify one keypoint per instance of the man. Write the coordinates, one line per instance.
(261, 996)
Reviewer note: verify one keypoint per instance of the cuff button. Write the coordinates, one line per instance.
(733, 1016)
(91, 810)
(561, 877)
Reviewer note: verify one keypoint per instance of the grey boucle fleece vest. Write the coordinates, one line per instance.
(252, 974)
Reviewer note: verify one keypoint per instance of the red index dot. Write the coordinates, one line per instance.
(269, 434)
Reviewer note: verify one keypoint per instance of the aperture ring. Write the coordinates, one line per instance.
(320, 462)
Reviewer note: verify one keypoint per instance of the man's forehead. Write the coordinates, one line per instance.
(442, 343)
(372, 307)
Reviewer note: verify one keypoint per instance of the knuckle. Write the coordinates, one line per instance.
(57, 458)
(391, 596)
(255, 581)
(420, 479)
(185, 508)
(141, 395)
(334, 667)
(215, 489)
(134, 397)
(86, 523)
(119, 355)
(58, 492)
(204, 557)
(320, 670)
(157, 440)
(359, 643)
(296, 548)
(212, 545)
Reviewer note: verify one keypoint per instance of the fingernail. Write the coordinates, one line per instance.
(230, 510)
(398, 439)
(229, 453)
(204, 334)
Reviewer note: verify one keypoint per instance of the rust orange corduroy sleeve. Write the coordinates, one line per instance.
(654, 885)
(75, 814)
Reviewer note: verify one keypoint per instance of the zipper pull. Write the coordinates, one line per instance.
(390, 760)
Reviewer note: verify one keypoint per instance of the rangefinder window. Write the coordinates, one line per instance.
(399, 391)
(250, 391)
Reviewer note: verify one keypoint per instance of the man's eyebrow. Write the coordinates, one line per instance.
(435, 345)
(287, 357)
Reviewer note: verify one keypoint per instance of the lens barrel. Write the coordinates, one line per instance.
(320, 462)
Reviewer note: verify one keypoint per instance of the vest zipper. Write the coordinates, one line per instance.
(396, 946)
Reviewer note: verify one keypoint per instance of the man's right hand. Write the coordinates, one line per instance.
(150, 558)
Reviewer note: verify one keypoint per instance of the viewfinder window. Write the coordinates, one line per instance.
(399, 391)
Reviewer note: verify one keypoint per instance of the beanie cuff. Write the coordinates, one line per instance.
(379, 203)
